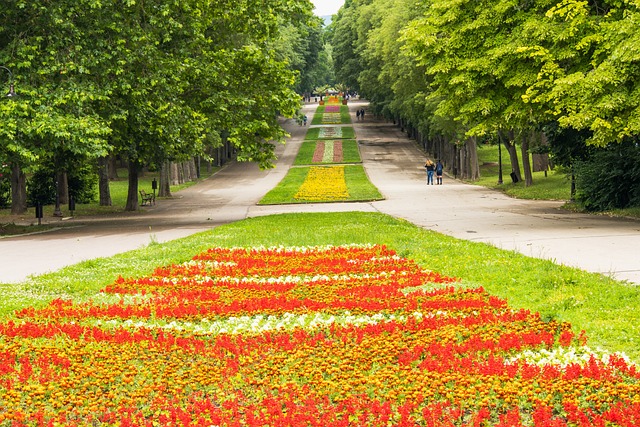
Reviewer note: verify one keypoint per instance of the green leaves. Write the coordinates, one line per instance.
(498, 64)
(147, 80)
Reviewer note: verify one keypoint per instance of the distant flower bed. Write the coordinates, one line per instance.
(331, 114)
(350, 335)
(331, 118)
(330, 132)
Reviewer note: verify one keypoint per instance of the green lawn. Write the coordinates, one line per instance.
(609, 311)
(554, 185)
(118, 189)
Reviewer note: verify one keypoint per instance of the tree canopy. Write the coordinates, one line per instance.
(154, 80)
(460, 69)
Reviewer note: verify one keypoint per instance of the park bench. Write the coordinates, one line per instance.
(147, 198)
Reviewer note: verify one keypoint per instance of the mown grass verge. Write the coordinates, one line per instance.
(554, 185)
(608, 310)
(118, 189)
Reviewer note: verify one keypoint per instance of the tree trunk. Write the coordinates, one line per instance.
(63, 187)
(18, 190)
(526, 164)
(510, 145)
(462, 162)
(186, 171)
(164, 189)
(113, 168)
(472, 159)
(175, 174)
(103, 181)
(194, 169)
(132, 195)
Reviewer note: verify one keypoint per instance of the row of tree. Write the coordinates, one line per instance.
(149, 81)
(534, 72)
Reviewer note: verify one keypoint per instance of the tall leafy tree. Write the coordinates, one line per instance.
(601, 94)
(56, 108)
(346, 47)
(150, 81)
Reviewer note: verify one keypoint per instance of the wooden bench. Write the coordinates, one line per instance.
(147, 198)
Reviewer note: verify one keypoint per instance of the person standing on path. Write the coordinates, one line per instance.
(358, 115)
(362, 113)
(439, 168)
(430, 167)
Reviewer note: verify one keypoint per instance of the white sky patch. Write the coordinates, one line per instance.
(327, 7)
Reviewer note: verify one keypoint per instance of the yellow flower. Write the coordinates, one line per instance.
(324, 184)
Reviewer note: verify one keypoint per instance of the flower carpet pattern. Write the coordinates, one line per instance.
(328, 152)
(331, 118)
(324, 336)
(322, 184)
(332, 113)
(330, 132)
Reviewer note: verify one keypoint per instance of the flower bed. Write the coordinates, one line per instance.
(328, 152)
(324, 184)
(323, 336)
(331, 114)
(331, 118)
(329, 132)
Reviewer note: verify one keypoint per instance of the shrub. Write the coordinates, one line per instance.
(82, 181)
(610, 179)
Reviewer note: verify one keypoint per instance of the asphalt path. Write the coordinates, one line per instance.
(393, 163)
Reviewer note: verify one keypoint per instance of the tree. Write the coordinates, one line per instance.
(344, 39)
(601, 93)
(300, 45)
(151, 82)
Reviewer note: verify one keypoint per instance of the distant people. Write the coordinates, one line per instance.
(358, 115)
(304, 119)
(439, 168)
(362, 114)
(430, 168)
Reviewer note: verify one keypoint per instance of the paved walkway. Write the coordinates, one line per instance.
(394, 164)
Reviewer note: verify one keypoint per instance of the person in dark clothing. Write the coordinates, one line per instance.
(439, 168)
